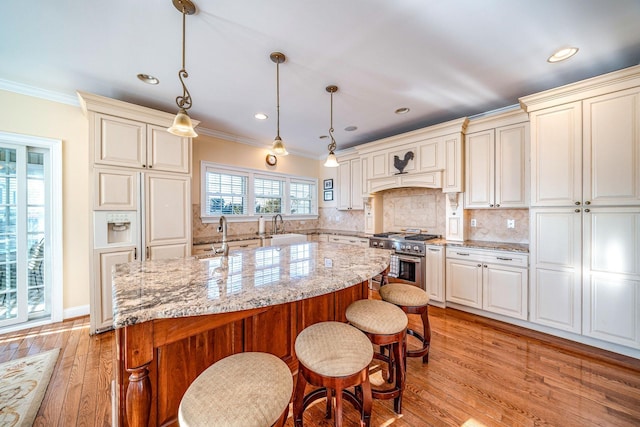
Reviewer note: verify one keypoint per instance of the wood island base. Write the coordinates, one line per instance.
(156, 361)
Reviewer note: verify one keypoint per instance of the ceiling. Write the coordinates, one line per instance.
(441, 59)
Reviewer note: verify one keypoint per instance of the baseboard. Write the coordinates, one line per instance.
(81, 310)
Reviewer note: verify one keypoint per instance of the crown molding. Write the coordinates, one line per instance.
(36, 92)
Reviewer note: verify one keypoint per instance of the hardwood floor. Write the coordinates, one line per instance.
(480, 372)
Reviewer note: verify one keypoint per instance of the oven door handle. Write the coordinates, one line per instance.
(409, 259)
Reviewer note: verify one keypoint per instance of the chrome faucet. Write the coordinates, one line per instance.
(224, 249)
(274, 224)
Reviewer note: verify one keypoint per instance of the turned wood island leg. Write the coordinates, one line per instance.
(138, 401)
(137, 347)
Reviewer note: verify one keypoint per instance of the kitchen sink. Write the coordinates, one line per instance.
(287, 239)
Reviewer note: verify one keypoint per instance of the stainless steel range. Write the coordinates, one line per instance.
(407, 264)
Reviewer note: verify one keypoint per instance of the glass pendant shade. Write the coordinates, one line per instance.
(182, 125)
(332, 161)
(278, 147)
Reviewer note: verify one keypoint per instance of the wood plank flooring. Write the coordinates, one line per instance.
(480, 373)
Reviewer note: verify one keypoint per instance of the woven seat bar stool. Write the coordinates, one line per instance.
(386, 326)
(243, 390)
(333, 356)
(412, 300)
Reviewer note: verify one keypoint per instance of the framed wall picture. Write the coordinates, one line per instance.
(328, 195)
(328, 185)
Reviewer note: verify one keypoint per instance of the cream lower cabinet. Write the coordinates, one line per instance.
(102, 305)
(434, 277)
(556, 268)
(493, 281)
(611, 282)
(348, 240)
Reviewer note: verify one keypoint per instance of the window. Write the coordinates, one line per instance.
(225, 194)
(245, 194)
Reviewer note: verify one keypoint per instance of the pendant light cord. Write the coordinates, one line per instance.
(278, 97)
(332, 144)
(183, 101)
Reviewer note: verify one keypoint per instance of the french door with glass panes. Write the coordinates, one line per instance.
(25, 285)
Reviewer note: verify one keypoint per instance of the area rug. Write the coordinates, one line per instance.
(23, 383)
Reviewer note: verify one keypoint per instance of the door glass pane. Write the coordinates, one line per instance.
(37, 291)
(8, 209)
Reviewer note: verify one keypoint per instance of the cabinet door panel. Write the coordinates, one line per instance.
(344, 183)
(479, 191)
(356, 185)
(116, 190)
(378, 165)
(511, 166)
(612, 149)
(453, 178)
(434, 280)
(168, 209)
(464, 282)
(168, 152)
(431, 154)
(612, 240)
(556, 156)
(179, 250)
(505, 290)
(555, 299)
(102, 308)
(120, 142)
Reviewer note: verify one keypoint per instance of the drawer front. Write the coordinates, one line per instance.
(515, 259)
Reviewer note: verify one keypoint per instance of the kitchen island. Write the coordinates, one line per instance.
(174, 318)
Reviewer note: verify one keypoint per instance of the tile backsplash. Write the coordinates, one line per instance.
(402, 208)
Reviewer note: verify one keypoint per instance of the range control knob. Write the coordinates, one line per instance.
(416, 248)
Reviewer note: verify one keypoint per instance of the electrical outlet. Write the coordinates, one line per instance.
(511, 223)
(473, 222)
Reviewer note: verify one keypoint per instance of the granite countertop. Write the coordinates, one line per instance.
(246, 279)
(206, 240)
(479, 244)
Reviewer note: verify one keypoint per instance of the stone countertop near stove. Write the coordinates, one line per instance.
(479, 244)
(240, 237)
(246, 279)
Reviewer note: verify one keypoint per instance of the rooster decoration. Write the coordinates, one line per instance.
(401, 164)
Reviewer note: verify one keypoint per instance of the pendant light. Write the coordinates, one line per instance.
(278, 147)
(182, 125)
(332, 161)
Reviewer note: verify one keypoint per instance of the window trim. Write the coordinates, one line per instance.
(251, 215)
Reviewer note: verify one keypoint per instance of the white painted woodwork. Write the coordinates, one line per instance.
(116, 190)
(454, 166)
(464, 282)
(555, 273)
(349, 185)
(611, 283)
(105, 260)
(129, 143)
(504, 290)
(120, 141)
(612, 149)
(168, 211)
(167, 152)
(434, 278)
(556, 156)
(480, 170)
(512, 166)
(379, 165)
(430, 153)
(178, 250)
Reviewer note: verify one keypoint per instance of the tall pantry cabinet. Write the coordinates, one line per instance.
(141, 193)
(585, 208)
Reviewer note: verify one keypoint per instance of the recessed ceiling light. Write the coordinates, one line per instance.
(261, 116)
(562, 54)
(351, 128)
(402, 110)
(148, 79)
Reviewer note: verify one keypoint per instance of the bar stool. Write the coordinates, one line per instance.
(412, 300)
(333, 356)
(386, 326)
(242, 390)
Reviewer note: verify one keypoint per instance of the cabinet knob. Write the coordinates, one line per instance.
(144, 166)
(497, 205)
(587, 210)
(577, 203)
(150, 166)
(577, 210)
(587, 202)
(485, 266)
(491, 205)
(479, 265)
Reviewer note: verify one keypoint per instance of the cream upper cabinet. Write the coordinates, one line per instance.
(350, 185)
(611, 151)
(129, 143)
(587, 152)
(497, 164)
(453, 178)
(556, 156)
(116, 189)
